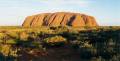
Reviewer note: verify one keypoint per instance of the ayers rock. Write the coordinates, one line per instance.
(59, 19)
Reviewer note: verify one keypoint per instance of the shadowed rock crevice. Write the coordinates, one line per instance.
(71, 20)
(32, 21)
(84, 18)
(45, 20)
(59, 19)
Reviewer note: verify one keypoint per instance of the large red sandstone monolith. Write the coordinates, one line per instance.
(59, 19)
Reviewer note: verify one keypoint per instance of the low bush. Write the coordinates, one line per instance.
(56, 40)
(23, 36)
(11, 42)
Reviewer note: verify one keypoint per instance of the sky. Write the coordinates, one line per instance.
(106, 12)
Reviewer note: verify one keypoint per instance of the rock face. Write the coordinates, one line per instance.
(59, 19)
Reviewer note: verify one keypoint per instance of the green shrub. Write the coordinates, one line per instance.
(2, 35)
(13, 34)
(1, 41)
(56, 40)
(11, 42)
(23, 36)
(5, 49)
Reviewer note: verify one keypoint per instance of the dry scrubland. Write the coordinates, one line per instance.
(60, 43)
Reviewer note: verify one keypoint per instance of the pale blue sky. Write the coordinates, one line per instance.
(106, 12)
